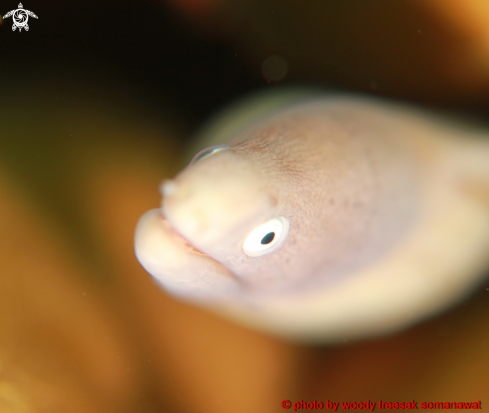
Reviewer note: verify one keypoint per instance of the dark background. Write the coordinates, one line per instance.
(146, 47)
(200, 58)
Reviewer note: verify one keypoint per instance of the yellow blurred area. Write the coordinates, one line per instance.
(469, 17)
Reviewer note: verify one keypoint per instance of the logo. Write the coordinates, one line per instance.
(20, 17)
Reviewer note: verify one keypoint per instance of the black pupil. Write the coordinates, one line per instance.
(267, 239)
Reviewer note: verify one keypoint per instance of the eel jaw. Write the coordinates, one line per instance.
(177, 265)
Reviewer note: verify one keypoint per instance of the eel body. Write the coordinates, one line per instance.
(331, 219)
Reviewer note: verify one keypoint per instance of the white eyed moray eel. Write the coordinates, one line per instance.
(335, 218)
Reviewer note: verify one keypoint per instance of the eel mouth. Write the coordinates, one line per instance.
(177, 238)
(175, 263)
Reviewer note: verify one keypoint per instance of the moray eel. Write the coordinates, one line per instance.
(332, 219)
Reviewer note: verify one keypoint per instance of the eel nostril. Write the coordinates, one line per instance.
(168, 187)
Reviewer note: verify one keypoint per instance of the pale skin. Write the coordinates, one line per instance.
(384, 214)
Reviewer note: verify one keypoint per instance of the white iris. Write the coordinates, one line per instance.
(266, 238)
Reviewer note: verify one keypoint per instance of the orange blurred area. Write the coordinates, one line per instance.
(469, 18)
(61, 348)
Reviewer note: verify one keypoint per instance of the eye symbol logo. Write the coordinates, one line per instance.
(20, 17)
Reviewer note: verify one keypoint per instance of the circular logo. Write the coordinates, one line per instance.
(286, 404)
(20, 17)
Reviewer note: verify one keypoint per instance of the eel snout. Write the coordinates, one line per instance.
(216, 202)
(176, 264)
(206, 213)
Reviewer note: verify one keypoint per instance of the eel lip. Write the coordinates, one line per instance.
(177, 238)
(175, 263)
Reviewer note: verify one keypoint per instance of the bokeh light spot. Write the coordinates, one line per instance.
(274, 68)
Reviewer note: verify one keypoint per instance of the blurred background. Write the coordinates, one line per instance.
(98, 104)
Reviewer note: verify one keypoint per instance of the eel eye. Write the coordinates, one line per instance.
(204, 153)
(266, 238)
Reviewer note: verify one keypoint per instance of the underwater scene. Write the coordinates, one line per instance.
(244, 206)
